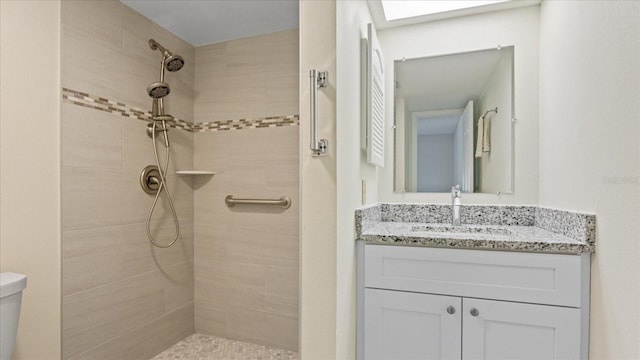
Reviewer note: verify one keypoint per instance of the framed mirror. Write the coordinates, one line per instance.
(453, 122)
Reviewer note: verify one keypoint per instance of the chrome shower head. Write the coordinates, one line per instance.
(171, 62)
(158, 90)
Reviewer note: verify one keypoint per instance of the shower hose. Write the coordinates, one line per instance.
(162, 186)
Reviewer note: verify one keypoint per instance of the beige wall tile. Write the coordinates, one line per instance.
(178, 284)
(148, 340)
(91, 138)
(90, 258)
(95, 316)
(138, 255)
(90, 198)
(246, 325)
(93, 55)
(214, 244)
(99, 19)
(229, 284)
(281, 331)
(210, 319)
(253, 77)
(137, 148)
(107, 351)
(115, 281)
(94, 66)
(282, 291)
(248, 78)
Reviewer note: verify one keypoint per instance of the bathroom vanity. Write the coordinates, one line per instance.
(511, 282)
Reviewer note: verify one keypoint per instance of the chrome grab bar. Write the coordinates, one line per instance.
(318, 80)
(284, 201)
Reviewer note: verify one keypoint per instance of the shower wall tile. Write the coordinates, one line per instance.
(139, 256)
(105, 51)
(90, 257)
(281, 330)
(97, 256)
(210, 319)
(92, 198)
(246, 325)
(224, 245)
(90, 138)
(262, 327)
(106, 351)
(247, 78)
(179, 289)
(281, 288)
(282, 93)
(96, 67)
(136, 150)
(247, 256)
(231, 284)
(100, 314)
(101, 20)
(137, 32)
(152, 338)
(116, 286)
(97, 197)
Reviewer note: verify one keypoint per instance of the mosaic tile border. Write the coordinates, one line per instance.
(114, 107)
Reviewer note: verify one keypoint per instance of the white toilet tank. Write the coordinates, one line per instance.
(11, 286)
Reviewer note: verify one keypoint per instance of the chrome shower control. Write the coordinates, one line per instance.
(150, 179)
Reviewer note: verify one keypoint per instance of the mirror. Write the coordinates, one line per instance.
(453, 122)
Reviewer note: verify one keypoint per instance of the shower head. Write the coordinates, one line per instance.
(174, 63)
(171, 62)
(158, 90)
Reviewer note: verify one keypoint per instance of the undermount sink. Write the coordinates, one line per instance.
(463, 229)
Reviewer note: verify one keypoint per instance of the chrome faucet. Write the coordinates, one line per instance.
(455, 205)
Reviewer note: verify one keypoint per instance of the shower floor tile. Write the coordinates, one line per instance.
(205, 347)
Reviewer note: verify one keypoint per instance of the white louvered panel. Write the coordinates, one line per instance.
(377, 123)
(375, 100)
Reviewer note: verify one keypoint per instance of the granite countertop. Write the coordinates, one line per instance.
(507, 228)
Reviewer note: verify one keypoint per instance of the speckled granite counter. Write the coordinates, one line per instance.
(509, 228)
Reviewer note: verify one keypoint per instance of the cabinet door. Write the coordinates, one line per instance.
(403, 325)
(505, 330)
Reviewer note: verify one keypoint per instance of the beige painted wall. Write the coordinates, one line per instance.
(590, 151)
(122, 297)
(352, 18)
(246, 257)
(318, 245)
(30, 168)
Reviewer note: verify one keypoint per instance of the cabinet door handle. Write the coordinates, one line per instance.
(474, 312)
(451, 310)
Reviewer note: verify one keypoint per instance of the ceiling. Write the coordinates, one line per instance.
(377, 13)
(202, 22)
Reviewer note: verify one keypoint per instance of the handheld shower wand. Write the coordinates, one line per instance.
(157, 91)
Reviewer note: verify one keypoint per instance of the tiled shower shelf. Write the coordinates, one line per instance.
(194, 172)
(508, 228)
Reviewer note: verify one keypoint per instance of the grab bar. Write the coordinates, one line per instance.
(318, 80)
(284, 201)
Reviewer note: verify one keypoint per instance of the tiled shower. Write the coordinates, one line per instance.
(234, 271)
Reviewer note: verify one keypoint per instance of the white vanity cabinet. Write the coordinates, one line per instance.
(435, 303)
